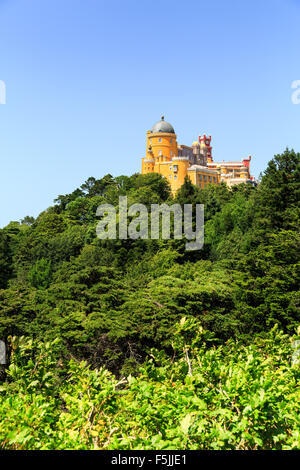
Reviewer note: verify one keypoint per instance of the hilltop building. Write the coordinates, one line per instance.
(166, 157)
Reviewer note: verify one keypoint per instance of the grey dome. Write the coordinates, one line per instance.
(163, 126)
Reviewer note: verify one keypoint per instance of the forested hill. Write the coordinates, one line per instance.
(140, 344)
(109, 301)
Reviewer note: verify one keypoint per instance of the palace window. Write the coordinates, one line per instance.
(170, 177)
(159, 140)
(160, 153)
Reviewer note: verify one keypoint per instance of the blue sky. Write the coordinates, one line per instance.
(86, 79)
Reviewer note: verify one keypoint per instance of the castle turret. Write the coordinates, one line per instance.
(196, 148)
(205, 147)
(162, 138)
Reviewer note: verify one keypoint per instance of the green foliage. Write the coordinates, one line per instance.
(279, 192)
(110, 299)
(222, 397)
(40, 274)
(28, 220)
(187, 192)
(5, 259)
(214, 381)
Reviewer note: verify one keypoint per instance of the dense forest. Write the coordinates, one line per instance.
(140, 344)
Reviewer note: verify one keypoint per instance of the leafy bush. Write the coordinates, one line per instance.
(209, 396)
(40, 274)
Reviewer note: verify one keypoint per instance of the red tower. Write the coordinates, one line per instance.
(205, 147)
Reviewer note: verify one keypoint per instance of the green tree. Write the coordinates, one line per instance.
(279, 193)
(40, 274)
(5, 259)
(187, 192)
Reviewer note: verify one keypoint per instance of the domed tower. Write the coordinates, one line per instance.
(162, 139)
(161, 146)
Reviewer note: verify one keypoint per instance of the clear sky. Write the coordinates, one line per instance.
(85, 79)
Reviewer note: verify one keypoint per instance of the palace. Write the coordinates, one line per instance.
(165, 156)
